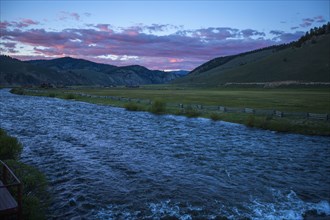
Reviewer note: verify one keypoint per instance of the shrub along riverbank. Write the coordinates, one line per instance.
(35, 197)
(167, 99)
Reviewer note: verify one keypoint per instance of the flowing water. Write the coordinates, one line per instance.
(108, 163)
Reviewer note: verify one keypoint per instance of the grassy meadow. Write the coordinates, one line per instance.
(291, 100)
(312, 100)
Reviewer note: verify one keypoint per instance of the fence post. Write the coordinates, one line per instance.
(222, 109)
(279, 114)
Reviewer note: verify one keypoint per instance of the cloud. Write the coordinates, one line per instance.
(8, 44)
(24, 22)
(104, 27)
(4, 24)
(319, 19)
(9, 47)
(310, 20)
(175, 60)
(157, 27)
(211, 33)
(64, 15)
(276, 32)
(247, 33)
(284, 37)
(182, 49)
(307, 22)
(28, 22)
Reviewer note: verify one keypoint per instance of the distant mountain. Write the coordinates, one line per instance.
(14, 72)
(306, 60)
(70, 71)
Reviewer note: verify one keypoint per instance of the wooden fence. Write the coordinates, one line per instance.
(220, 109)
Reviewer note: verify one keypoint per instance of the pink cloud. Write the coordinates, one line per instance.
(25, 22)
(174, 60)
(28, 21)
(4, 25)
(103, 27)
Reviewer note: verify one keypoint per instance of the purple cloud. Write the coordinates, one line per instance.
(104, 27)
(64, 15)
(307, 22)
(183, 49)
(310, 20)
(276, 32)
(4, 25)
(157, 27)
(25, 22)
(284, 37)
(319, 19)
(251, 33)
(8, 44)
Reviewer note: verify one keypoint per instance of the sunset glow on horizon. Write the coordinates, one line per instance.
(165, 35)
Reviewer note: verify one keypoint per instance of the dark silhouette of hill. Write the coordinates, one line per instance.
(71, 71)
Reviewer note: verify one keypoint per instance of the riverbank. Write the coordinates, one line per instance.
(35, 196)
(191, 102)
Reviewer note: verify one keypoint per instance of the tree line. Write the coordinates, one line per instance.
(313, 32)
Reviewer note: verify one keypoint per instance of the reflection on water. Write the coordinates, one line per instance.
(108, 163)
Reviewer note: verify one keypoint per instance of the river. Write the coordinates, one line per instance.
(108, 163)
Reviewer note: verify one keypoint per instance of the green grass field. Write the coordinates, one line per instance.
(291, 100)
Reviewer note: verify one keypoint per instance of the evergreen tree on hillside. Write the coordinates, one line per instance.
(313, 32)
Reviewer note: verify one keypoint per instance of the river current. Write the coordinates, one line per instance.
(108, 163)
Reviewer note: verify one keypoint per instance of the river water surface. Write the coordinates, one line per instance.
(108, 163)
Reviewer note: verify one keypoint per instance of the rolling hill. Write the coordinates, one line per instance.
(70, 71)
(308, 62)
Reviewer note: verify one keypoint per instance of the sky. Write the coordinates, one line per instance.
(163, 35)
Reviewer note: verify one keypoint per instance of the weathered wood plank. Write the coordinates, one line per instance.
(7, 201)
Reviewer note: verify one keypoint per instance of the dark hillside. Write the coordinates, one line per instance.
(307, 60)
(14, 72)
(70, 71)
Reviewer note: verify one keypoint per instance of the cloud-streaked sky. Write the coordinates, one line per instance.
(164, 35)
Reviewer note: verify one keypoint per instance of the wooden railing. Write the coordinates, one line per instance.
(10, 194)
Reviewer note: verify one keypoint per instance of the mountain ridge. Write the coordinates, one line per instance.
(71, 71)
